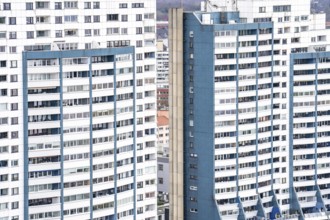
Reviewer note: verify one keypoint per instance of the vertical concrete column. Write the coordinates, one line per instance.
(176, 113)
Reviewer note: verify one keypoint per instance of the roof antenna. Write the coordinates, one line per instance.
(181, 3)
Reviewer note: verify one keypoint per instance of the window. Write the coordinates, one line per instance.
(30, 34)
(123, 5)
(139, 197)
(149, 16)
(137, 5)
(71, 4)
(2, 20)
(3, 34)
(111, 31)
(14, 106)
(13, 78)
(12, 35)
(88, 19)
(12, 20)
(118, 43)
(139, 69)
(71, 32)
(71, 18)
(2, 49)
(149, 29)
(304, 17)
(3, 78)
(14, 177)
(3, 92)
(58, 5)
(15, 191)
(87, 5)
(42, 19)
(14, 163)
(160, 167)
(124, 17)
(96, 18)
(88, 46)
(14, 92)
(29, 6)
(96, 32)
(304, 28)
(295, 40)
(139, 30)
(13, 49)
(139, 43)
(124, 31)
(14, 205)
(58, 33)
(3, 206)
(42, 5)
(14, 149)
(96, 5)
(6, 6)
(88, 32)
(3, 63)
(262, 9)
(42, 33)
(139, 17)
(282, 8)
(29, 20)
(14, 120)
(112, 17)
(14, 134)
(58, 19)
(3, 192)
(3, 177)
(13, 64)
(4, 149)
(139, 56)
(3, 121)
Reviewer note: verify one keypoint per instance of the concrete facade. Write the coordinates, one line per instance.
(176, 113)
(78, 113)
(255, 137)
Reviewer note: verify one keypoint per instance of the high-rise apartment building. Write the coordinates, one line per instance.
(249, 108)
(162, 63)
(78, 110)
(162, 74)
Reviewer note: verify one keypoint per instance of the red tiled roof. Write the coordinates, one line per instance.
(162, 121)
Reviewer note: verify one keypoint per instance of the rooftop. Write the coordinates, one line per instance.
(162, 120)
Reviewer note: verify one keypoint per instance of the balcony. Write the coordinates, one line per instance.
(42, 5)
(42, 19)
(316, 216)
(71, 32)
(43, 33)
(290, 217)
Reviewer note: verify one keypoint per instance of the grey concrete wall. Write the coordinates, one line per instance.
(176, 113)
